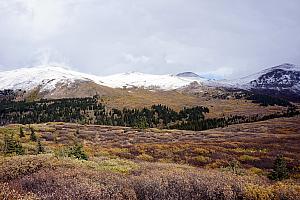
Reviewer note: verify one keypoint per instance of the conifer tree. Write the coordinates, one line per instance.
(19, 149)
(9, 146)
(77, 152)
(33, 135)
(280, 170)
(21, 135)
(40, 148)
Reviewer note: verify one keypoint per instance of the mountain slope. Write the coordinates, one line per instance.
(58, 82)
(281, 81)
(48, 78)
(188, 74)
(148, 81)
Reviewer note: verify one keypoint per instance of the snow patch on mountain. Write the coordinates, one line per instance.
(245, 81)
(150, 81)
(45, 76)
(48, 77)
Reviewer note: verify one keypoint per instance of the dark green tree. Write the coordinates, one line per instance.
(33, 135)
(22, 134)
(9, 146)
(77, 151)
(279, 171)
(19, 149)
(40, 148)
(141, 123)
(12, 146)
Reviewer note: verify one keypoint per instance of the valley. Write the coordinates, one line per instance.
(138, 136)
(149, 100)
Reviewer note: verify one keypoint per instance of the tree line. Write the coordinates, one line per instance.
(89, 110)
(205, 124)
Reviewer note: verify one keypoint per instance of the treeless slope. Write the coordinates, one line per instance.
(81, 89)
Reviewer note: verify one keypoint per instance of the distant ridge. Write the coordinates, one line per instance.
(282, 80)
(187, 74)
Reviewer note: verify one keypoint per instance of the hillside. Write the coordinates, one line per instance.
(48, 81)
(126, 163)
(281, 81)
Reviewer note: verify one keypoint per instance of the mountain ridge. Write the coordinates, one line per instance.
(284, 79)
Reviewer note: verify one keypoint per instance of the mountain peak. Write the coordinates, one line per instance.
(187, 74)
(285, 66)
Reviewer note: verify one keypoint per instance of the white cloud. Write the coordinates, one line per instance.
(136, 59)
(169, 36)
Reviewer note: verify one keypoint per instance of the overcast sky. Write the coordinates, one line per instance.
(224, 37)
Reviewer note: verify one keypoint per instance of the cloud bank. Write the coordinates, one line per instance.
(226, 38)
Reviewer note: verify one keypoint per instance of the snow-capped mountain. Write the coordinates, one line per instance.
(150, 81)
(48, 78)
(188, 75)
(56, 81)
(285, 76)
(282, 81)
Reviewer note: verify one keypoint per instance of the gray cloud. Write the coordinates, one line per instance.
(226, 37)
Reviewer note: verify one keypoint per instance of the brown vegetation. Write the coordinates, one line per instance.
(126, 163)
(62, 178)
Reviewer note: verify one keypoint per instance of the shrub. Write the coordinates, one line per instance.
(145, 157)
(46, 177)
(77, 151)
(199, 160)
(248, 158)
(8, 193)
(234, 166)
(256, 192)
(17, 166)
(254, 170)
(201, 151)
(77, 184)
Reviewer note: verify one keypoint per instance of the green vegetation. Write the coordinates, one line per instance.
(11, 146)
(32, 135)
(21, 134)
(40, 148)
(266, 100)
(77, 151)
(280, 170)
(90, 111)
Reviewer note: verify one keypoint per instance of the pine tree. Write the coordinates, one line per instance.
(77, 152)
(40, 148)
(21, 132)
(9, 146)
(142, 123)
(19, 149)
(280, 170)
(33, 135)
